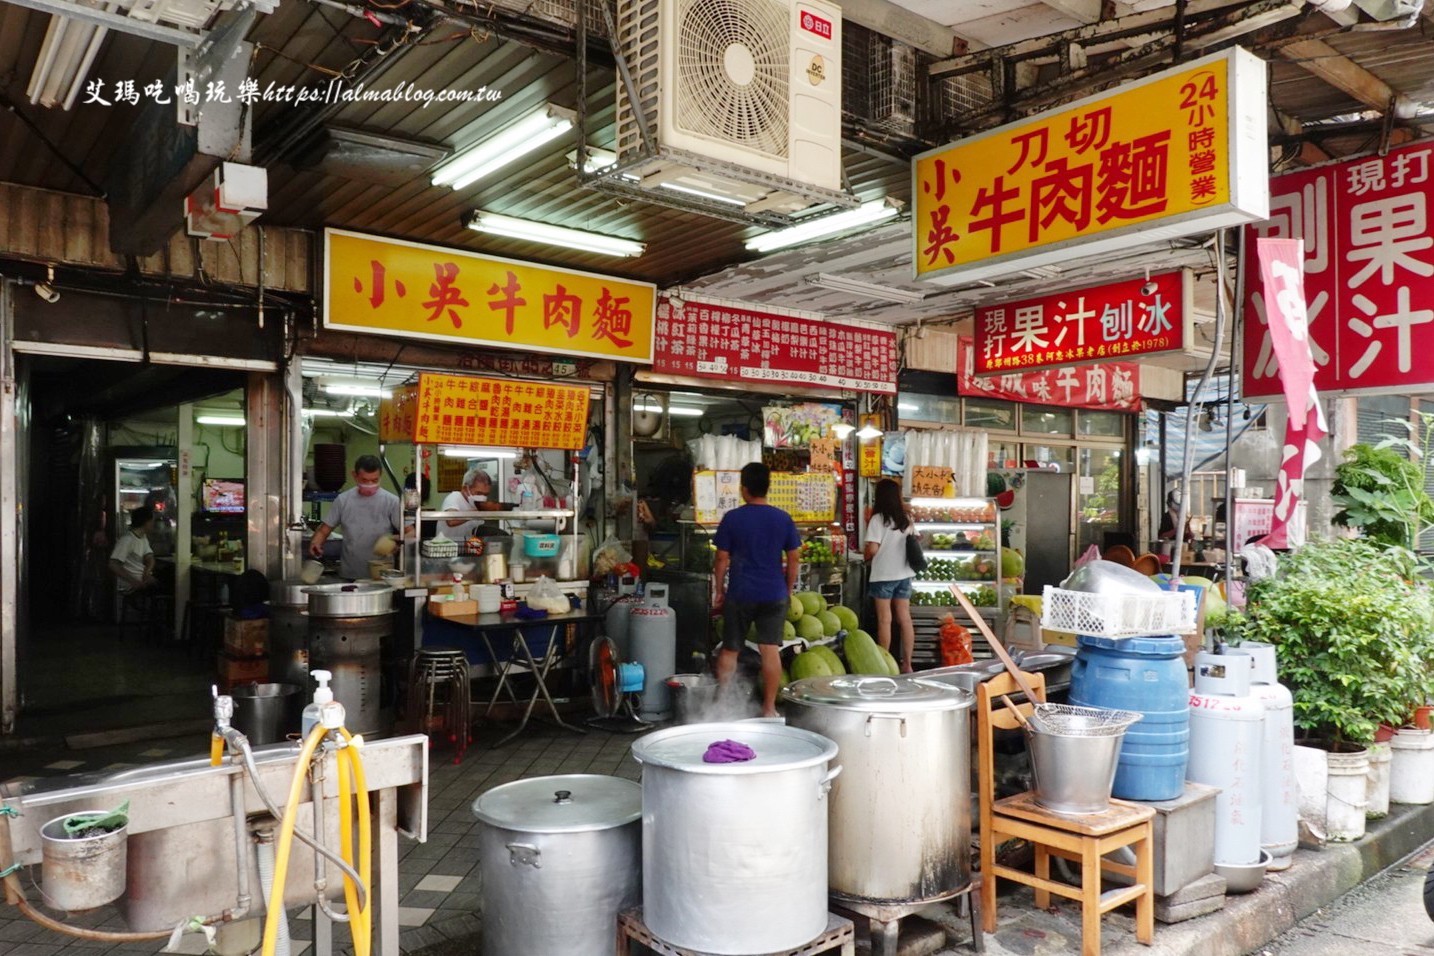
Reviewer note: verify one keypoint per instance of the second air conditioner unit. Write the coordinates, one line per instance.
(742, 98)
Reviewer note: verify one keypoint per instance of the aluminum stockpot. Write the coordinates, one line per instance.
(901, 810)
(361, 599)
(734, 856)
(560, 859)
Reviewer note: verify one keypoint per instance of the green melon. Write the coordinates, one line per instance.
(1013, 564)
(892, 668)
(848, 618)
(830, 623)
(809, 628)
(810, 664)
(863, 655)
(795, 609)
(812, 602)
(834, 663)
(789, 631)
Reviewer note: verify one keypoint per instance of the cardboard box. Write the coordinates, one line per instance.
(246, 638)
(452, 608)
(238, 671)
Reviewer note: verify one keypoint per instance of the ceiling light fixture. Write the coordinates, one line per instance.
(868, 213)
(868, 432)
(462, 452)
(679, 410)
(873, 290)
(357, 391)
(843, 430)
(598, 159)
(530, 231)
(229, 421)
(68, 51)
(514, 142)
(330, 412)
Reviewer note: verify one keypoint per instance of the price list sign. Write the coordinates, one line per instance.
(464, 410)
(807, 498)
(718, 341)
(931, 481)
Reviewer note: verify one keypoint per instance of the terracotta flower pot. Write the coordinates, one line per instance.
(1422, 717)
(1384, 734)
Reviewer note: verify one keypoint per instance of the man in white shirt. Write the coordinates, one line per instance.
(475, 495)
(132, 560)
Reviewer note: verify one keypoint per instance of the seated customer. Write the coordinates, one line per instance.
(132, 560)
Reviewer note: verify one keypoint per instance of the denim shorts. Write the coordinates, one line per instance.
(889, 590)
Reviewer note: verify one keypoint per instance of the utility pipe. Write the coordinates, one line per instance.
(241, 847)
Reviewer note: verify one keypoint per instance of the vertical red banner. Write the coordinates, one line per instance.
(1281, 268)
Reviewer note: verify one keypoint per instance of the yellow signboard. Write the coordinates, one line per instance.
(932, 481)
(392, 287)
(1182, 147)
(464, 410)
(808, 498)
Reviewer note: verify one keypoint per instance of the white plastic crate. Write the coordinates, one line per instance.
(1118, 615)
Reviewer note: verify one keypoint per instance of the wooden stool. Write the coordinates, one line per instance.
(840, 935)
(1082, 838)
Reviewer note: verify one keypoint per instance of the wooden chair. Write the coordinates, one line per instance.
(1083, 839)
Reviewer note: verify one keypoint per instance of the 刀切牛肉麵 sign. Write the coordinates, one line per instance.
(392, 287)
(1174, 154)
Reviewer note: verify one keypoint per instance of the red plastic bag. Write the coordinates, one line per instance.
(954, 643)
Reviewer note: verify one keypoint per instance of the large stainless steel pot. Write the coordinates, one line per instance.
(289, 634)
(901, 812)
(351, 650)
(350, 600)
(560, 859)
(734, 856)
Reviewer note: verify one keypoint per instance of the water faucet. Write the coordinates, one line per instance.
(223, 709)
(224, 731)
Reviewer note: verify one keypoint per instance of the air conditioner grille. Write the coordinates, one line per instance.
(733, 72)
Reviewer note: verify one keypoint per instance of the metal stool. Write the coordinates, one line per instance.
(438, 696)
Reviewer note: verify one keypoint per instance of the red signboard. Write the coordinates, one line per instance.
(740, 344)
(1114, 386)
(1368, 274)
(1106, 323)
(812, 23)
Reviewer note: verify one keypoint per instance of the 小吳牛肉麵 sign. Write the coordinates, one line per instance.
(393, 287)
(1118, 321)
(463, 410)
(1174, 154)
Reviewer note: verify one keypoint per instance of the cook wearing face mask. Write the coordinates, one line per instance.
(475, 495)
(367, 513)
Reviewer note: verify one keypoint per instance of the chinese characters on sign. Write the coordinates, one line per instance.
(1097, 174)
(461, 410)
(1099, 324)
(930, 481)
(391, 287)
(716, 341)
(807, 498)
(1368, 275)
(1114, 386)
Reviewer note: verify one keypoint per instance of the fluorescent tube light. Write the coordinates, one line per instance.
(872, 290)
(66, 55)
(868, 213)
(704, 194)
(330, 412)
(512, 143)
(679, 410)
(530, 231)
(868, 432)
(232, 421)
(359, 391)
(598, 159)
(907, 407)
(842, 430)
(460, 452)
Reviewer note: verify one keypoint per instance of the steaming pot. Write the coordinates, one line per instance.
(734, 855)
(901, 810)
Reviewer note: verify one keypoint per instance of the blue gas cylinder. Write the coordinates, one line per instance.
(1145, 674)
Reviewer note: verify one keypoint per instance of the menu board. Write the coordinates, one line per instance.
(932, 481)
(466, 410)
(808, 498)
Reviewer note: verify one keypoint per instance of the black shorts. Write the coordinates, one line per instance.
(738, 615)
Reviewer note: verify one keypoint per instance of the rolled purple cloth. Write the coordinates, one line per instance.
(728, 751)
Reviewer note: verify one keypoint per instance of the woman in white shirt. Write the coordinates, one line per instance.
(891, 576)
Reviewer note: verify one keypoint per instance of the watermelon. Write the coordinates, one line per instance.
(809, 628)
(1013, 565)
(892, 668)
(795, 609)
(810, 664)
(834, 663)
(812, 602)
(848, 618)
(789, 631)
(830, 623)
(863, 654)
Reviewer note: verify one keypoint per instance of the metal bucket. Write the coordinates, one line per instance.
(694, 698)
(1073, 774)
(82, 874)
(267, 713)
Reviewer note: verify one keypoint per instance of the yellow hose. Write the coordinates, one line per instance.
(363, 939)
(286, 840)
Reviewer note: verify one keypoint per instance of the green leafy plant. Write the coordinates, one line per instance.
(1353, 625)
(1381, 492)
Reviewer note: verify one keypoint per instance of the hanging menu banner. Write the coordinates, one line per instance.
(462, 410)
(740, 344)
(1124, 320)
(1113, 387)
(392, 287)
(808, 498)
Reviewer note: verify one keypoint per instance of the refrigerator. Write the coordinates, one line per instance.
(148, 481)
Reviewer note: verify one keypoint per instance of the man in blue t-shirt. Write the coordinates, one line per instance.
(761, 546)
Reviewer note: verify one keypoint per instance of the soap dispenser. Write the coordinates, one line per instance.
(313, 712)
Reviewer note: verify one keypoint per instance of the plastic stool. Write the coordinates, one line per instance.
(438, 702)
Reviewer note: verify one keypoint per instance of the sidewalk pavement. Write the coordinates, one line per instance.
(441, 893)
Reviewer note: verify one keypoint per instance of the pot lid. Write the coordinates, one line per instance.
(778, 747)
(571, 803)
(292, 592)
(883, 694)
(356, 588)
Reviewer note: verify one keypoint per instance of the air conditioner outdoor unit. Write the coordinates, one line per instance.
(742, 98)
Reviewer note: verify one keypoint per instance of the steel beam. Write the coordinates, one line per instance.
(1339, 71)
(10, 556)
(116, 21)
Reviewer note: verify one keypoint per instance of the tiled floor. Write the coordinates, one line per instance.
(439, 879)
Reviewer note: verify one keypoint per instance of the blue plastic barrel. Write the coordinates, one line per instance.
(1145, 674)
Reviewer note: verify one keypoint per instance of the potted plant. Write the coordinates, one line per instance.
(1350, 620)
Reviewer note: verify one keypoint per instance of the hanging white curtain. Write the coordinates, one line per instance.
(963, 450)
